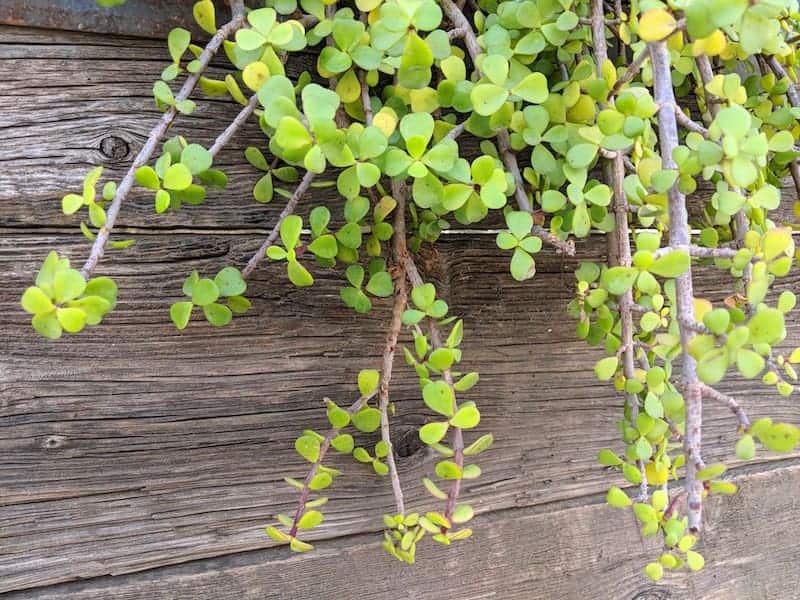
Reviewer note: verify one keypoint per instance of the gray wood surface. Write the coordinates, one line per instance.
(147, 461)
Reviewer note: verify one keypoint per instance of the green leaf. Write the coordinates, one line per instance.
(230, 282)
(218, 315)
(467, 417)
(103, 287)
(607, 458)
(290, 230)
(368, 381)
(447, 469)
(488, 98)
(298, 274)
(654, 571)
(343, 443)
(307, 446)
(533, 88)
(617, 498)
(239, 304)
(204, 292)
(423, 295)
(619, 280)
(311, 519)
(482, 444)
(263, 190)
(367, 420)
(35, 301)
(163, 200)
(47, 325)
(432, 433)
(672, 264)
(380, 284)
(177, 177)
(324, 246)
(711, 472)
(196, 158)
(68, 284)
(606, 368)
(72, 320)
(178, 42)
(180, 312)
(767, 327)
(694, 560)
(712, 366)
(338, 417)
(749, 363)
(439, 397)
(580, 156)
(745, 448)
(71, 203)
(522, 265)
(204, 15)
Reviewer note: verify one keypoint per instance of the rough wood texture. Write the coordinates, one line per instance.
(156, 457)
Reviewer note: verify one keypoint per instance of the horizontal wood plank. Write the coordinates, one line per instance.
(133, 446)
(79, 100)
(590, 551)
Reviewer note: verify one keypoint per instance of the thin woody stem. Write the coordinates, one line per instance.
(289, 209)
(679, 236)
(157, 133)
(619, 245)
(400, 301)
(399, 191)
(234, 126)
(631, 72)
(323, 450)
(729, 401)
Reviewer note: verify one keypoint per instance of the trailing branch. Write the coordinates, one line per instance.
(323, 450)
(679, 236)
(289, 209)
(157, 133)
(712, 394)
(619, 246)
(234, 126)
(400, 194)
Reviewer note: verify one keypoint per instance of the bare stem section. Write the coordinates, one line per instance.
(679, 235)
(156, 135)
(289, 209)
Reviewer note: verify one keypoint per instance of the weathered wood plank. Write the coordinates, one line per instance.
(586, 551)
(149, 18)
(114, 468)
(68, 107)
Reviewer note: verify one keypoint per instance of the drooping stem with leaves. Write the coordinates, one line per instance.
(666, 141)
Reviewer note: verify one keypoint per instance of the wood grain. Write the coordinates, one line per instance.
(133, 447)
(73, 101)
(585, 551)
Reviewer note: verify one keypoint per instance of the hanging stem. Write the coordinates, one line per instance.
(399, 191)
(400, 301)
(157, 133)
(289, 209)
(679, 236)
(323, 450)
(619, 243)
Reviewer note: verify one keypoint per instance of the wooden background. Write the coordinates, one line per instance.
(140, 462)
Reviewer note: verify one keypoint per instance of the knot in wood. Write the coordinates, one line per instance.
(406, 442)
(114, 147)
(53, 442)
